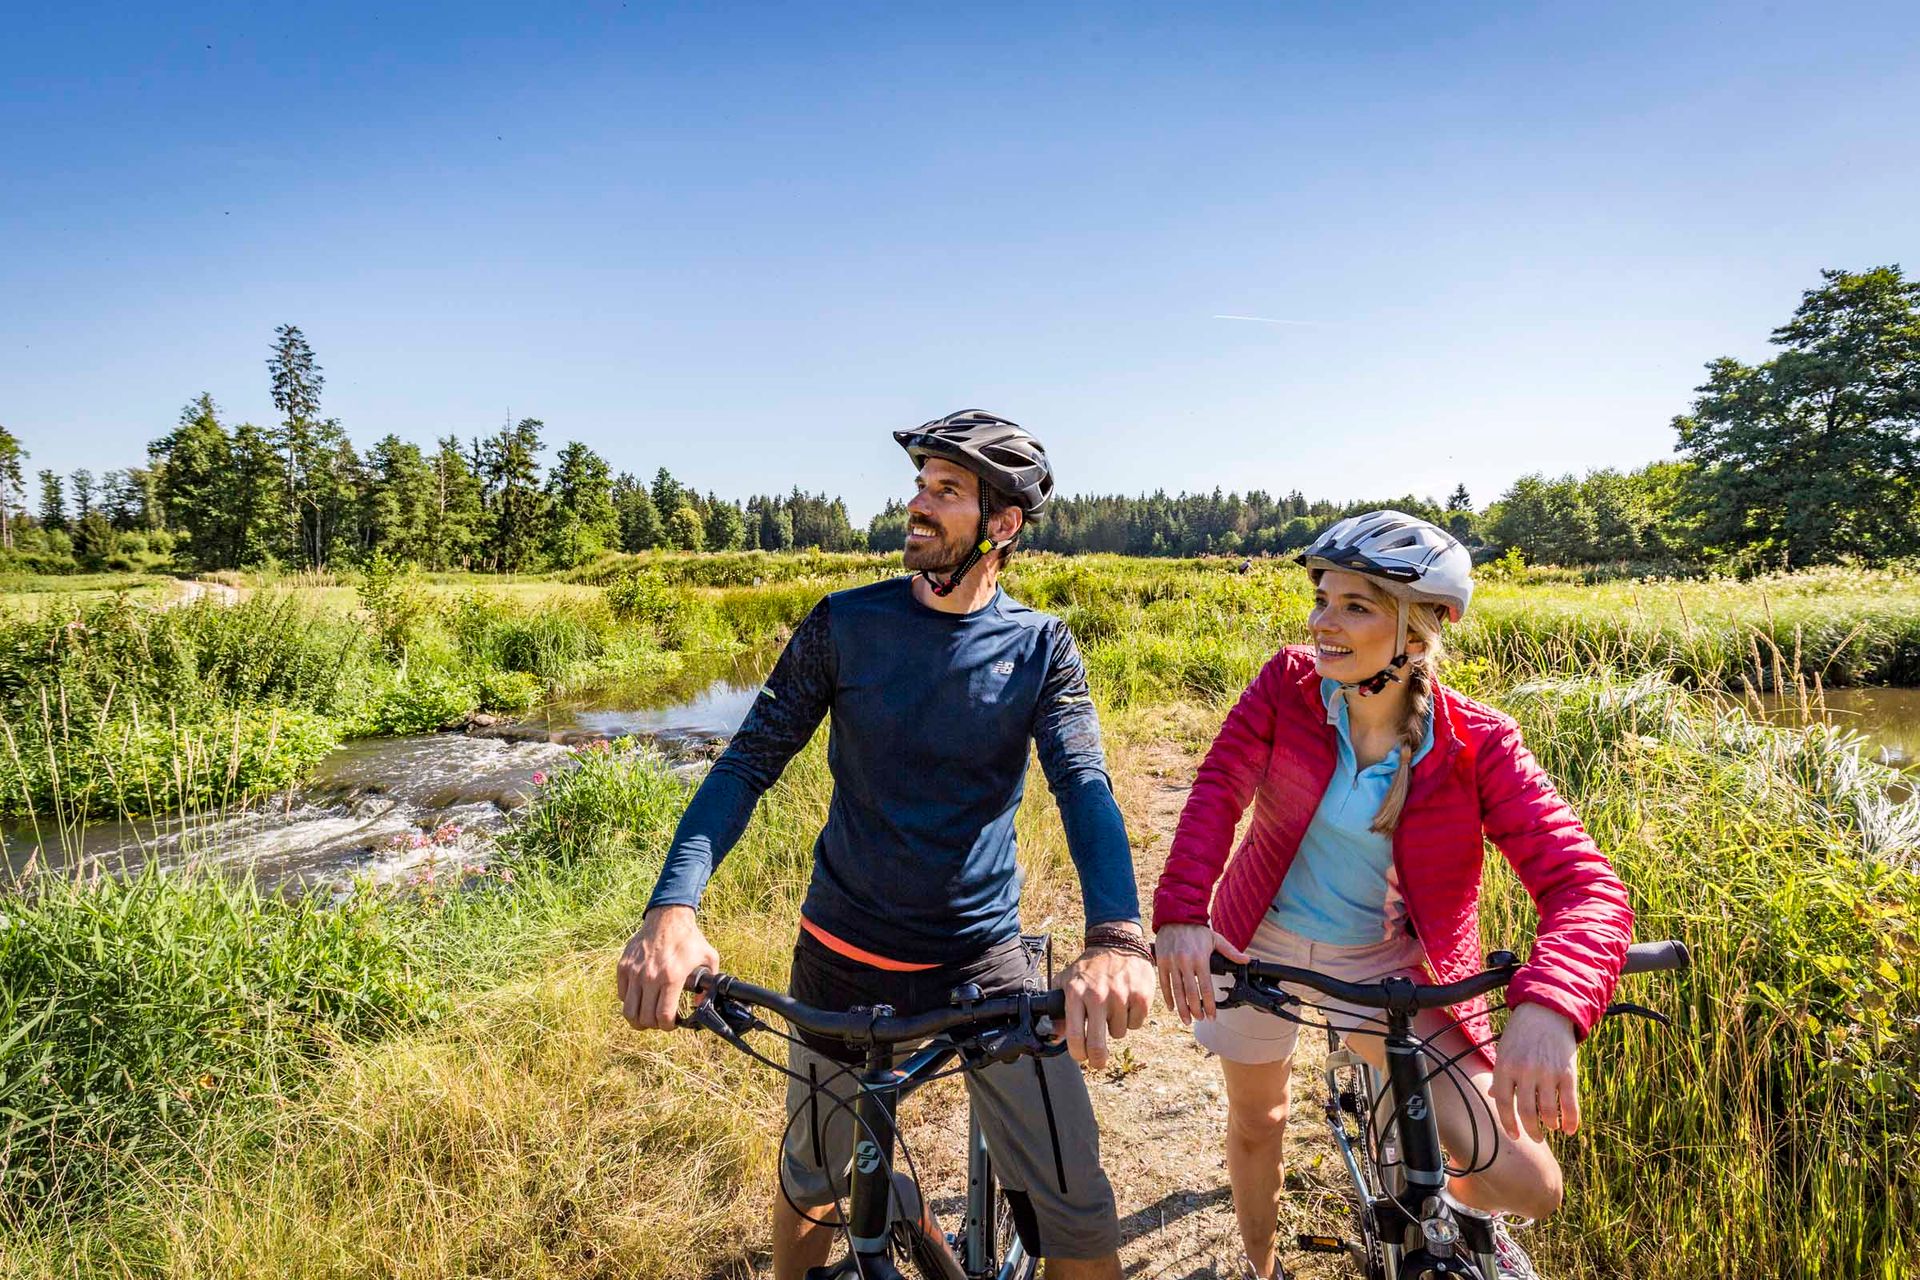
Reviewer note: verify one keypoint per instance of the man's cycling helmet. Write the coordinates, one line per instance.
(1412, 559)
(996, 450)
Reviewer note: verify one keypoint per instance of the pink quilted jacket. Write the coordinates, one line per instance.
(1277, 750)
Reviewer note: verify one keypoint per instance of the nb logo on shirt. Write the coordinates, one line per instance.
(1003, 668)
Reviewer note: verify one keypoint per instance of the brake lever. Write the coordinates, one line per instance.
(1027, 1038)
(1620, 1007)
(1246, 992)
(725, 1018)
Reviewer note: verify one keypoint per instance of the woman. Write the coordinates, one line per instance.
(1373, 787)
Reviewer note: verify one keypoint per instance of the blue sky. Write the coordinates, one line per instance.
(745, 241)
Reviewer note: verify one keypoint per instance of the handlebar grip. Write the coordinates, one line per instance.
(698, 984)
(1657, 957)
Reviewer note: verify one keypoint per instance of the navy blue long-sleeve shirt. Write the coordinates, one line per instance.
(931, 716)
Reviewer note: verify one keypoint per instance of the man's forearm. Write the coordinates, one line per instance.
(710, 827)
(1097, 842)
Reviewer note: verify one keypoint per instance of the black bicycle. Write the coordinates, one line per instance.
(884, 1215)
(1386, 1130)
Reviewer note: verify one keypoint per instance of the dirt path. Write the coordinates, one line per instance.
(1163, 1122)
(192, 589)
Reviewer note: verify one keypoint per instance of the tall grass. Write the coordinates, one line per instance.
(139, 1011)
(119, 709)
(1783, 1100)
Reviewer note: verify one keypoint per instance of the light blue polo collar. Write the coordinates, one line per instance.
(1334, 696)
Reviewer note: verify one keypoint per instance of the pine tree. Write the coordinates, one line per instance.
(53, 502)
(12, 486)
(726, 527)
(197, 485)
(400, 491)
(297, 381)
(83, 488)
(639, 518)
(122, 500)
(455, 513)
(667, 493)
(259, 485)
(510, 469)
(582, 523)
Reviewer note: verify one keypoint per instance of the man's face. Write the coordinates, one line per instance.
(943, 519)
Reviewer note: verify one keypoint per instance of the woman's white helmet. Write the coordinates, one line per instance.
(1412, 559)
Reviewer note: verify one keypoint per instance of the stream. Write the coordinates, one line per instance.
(382, 807)
(1888, 717)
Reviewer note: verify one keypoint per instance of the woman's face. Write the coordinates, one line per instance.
(1353, 631)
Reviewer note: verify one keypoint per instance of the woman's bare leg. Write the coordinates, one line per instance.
(1257, 1102)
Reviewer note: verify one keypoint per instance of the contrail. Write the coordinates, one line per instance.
(1309, 324)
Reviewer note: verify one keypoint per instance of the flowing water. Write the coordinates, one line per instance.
(385, 806)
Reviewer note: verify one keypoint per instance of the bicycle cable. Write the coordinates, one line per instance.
(815, 1088)
(1425, 1046)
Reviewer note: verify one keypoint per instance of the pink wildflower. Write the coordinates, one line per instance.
(506, 875)
(539, 778)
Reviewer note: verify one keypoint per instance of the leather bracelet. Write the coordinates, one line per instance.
(1115, 938)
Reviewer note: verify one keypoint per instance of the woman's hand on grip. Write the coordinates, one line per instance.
(1184, 954)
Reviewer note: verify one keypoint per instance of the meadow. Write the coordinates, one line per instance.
(199, 1079)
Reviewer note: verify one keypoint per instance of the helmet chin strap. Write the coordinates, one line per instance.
(982, 544)
(1379, 680)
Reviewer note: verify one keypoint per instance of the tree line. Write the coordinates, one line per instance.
(1810, 457)
(299, 495)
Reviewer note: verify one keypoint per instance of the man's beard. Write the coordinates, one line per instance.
(941, 554)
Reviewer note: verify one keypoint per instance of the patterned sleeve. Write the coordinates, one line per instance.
(1066, 734)
(790, 706)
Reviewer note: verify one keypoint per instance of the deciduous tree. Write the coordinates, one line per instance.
(1815, 454)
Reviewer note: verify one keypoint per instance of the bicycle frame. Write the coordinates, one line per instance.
(976, 1029)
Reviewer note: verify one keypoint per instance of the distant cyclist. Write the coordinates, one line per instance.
(935, 684)
(1373, 788)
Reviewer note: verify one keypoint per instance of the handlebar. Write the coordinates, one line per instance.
(1402, 993)
(871, 1026)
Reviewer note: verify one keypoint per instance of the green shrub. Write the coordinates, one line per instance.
(140, 766)
(509, 691)
(391, 595)
(421, 704)
(645, 599)
(613, 797)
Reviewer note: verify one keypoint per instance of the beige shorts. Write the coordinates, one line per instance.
(1254, 1036)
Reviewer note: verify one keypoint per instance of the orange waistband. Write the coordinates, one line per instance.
(852, 952)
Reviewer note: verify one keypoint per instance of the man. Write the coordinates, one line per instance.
(935, 684)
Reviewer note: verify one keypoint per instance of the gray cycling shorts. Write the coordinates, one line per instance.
(1077, 1220)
